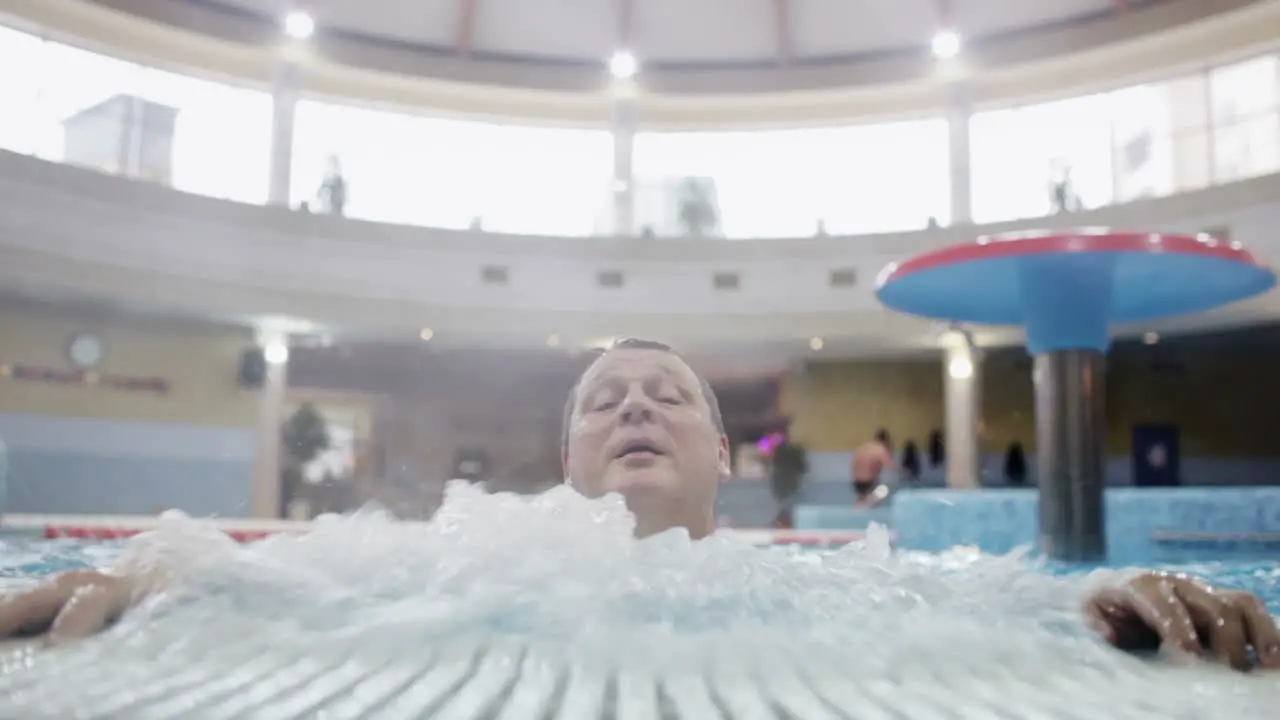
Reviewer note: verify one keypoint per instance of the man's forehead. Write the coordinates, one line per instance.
(637, 363)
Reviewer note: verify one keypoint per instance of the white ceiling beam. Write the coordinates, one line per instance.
(784, 42)
(626, 15)
(466, 27)
(945, 16)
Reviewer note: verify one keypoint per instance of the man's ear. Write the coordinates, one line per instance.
(724, 459)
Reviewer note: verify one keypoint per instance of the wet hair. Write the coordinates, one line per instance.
(882, 436)
(638, 344)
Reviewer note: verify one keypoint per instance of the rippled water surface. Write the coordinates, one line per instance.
(516, 607)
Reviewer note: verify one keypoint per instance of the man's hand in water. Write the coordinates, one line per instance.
(1176, 612)
(67, 606)
(81, 602)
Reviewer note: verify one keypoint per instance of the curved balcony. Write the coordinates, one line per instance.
(74, 231)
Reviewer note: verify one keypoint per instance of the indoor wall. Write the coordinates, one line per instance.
(97, 443)
(1219, 391)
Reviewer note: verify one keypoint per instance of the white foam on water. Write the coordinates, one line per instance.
(501, 591)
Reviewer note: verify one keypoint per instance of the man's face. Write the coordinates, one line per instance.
(642, 428)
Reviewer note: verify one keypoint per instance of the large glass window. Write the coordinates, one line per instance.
(847, 180)
(1188, 105)
(1028, 161)
(221, 137)
(20, 85)
(76, 83)
(453, 174)
(882, 178)
(1246, 124)
(1143, 142)
(71, 105)
(757, 183)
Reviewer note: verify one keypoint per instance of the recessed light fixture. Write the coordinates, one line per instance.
(623, 65)
(816, 343)
(960, 368)
(946, 44)
(276, 353)
(299, 25)
(427, 334)
(1151, 338)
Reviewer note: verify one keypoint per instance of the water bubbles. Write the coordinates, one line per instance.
(561, 577)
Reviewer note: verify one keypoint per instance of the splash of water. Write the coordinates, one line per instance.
(561, 576)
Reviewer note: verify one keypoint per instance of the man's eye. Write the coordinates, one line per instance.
(605, 405)
(670, 401)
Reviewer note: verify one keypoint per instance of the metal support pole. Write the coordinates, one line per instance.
(1070, 444)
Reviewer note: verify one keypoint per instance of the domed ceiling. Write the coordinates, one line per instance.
(684, 46)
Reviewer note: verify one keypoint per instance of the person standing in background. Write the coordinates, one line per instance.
(937, 449)
(1015, 465)
(333, 189)
(911, 461)
(869, 461)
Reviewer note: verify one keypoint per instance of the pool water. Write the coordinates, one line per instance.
(1260, 577)
(515, 608)
(23, 560)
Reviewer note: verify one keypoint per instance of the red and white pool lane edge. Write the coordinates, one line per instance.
(109, 527)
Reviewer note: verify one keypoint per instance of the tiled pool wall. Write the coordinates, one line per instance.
(1143, 525)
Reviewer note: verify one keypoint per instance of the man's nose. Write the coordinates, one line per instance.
(636, 408)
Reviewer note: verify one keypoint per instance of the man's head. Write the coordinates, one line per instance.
(882, 437)
(640, 422)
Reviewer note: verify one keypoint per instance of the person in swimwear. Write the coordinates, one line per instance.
(641, 423)
(869, 461)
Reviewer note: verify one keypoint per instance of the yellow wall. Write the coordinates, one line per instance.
(839, 405)
(199, 361)
(1225, 404)
(1008, 402)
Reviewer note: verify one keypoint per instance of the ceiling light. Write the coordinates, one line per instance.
(426, 334)
(553, 340)
(299, 25)
(816, 343)
(623, 64)
(946, 44)
(960, 368)
(276, 353)
(1151, 338)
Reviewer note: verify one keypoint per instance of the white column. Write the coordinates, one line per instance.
(958, 113)
(962, 390)
(284, 102)
(623, 127)
(266, 466)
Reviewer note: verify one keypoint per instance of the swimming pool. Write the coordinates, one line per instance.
(515, 610)
(24, 559)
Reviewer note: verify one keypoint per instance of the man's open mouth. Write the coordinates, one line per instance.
(638, 447)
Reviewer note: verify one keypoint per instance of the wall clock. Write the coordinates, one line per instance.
(85, 351)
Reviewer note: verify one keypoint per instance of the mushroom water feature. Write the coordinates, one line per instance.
(1067, 289)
